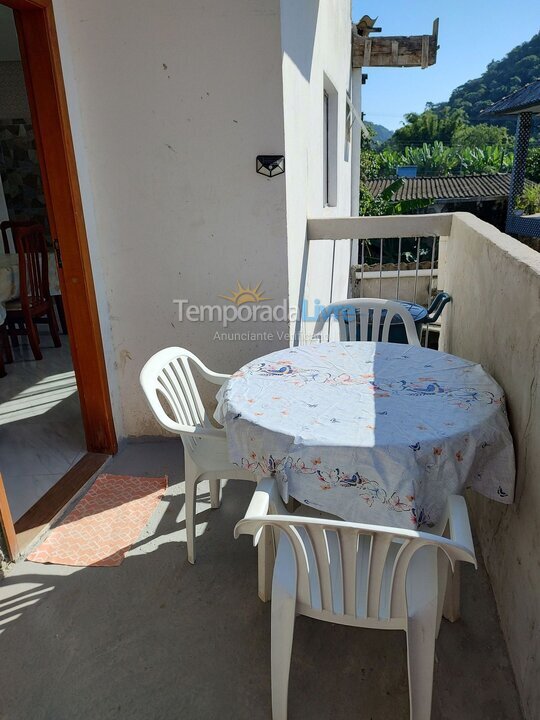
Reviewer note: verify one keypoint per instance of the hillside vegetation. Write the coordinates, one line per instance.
(454, 137)
(502, 77)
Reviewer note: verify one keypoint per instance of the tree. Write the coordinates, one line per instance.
(480, 135)
(533, 165)
(370, 164)
(428, 127)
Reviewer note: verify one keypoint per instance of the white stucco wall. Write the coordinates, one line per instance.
(494, 319)
(170, 104)
(316, 42)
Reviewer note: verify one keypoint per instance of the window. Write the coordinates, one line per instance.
(330, 121)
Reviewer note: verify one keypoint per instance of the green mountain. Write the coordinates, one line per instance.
(519, 67)
(380, 133)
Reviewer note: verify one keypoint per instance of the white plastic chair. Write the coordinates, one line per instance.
(356, 315)
(172, 393)
(361, 575)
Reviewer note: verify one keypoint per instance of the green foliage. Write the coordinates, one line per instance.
(384, 203)
(502, 77)
(428, 127)
(370, 164)
(440, 159)
(529, 200)
(532, 170)
(480, 135)
(489, 159)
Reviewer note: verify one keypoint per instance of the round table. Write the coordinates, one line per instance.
(379, 433)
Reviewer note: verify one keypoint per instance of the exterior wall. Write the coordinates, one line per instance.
(316, 45)
(170, 103)
(494, 319)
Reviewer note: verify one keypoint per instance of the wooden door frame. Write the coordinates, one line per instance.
(40, 55)
(50, 120)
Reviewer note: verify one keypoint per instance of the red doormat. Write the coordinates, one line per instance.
(104, 524)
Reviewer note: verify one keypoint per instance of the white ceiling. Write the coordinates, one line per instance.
(9, 46)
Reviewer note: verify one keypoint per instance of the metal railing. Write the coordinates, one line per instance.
(398, 256)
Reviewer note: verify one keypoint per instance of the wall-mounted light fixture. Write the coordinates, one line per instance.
(270, 165)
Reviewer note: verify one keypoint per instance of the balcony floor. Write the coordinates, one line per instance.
(158, 638)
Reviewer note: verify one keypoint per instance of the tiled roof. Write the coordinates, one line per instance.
(526, 99)
(449, 187)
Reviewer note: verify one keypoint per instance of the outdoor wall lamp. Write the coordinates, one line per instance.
(270, 165)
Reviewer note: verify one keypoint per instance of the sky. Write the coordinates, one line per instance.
(471, 34)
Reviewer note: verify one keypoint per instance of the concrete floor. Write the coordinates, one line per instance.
(158, 639)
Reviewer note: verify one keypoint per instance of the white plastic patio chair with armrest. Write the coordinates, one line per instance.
(170, 388)
(361, 575)
(356, 316)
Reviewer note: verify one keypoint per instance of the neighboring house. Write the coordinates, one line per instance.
(484, 195)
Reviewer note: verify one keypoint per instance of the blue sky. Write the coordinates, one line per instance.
(471, 34)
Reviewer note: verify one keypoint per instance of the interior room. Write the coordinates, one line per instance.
(41, 430)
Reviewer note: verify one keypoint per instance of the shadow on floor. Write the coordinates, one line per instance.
(156, 638)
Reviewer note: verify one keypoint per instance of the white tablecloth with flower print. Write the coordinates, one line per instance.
(371, 432)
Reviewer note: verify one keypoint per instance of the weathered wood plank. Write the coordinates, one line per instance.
(394, 51)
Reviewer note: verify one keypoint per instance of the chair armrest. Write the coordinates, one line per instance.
(207, 374)
(457, 519)
(265, 501)
(213, 377)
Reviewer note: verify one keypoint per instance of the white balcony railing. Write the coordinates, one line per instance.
(377, 264)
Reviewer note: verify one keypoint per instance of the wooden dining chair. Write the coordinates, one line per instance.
(34, 301)
(9, 226)
(366, 576)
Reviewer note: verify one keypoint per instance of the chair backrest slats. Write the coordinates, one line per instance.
(349, 551)
(318, 541)
(182, 391)
(301, 555)
(192, 393)
(167, 379)
(355, 570)
(399, 575)
(10, 225)
(361, 570)
(361, 319)
(167, 387)
(387, 581)
(377, 562)
(315, 592)
(33, 265)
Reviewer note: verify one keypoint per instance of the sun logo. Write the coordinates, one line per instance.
(245, 294)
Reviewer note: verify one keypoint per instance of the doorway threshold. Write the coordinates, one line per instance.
(39, 516)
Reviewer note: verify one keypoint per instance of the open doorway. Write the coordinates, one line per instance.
(56, 423)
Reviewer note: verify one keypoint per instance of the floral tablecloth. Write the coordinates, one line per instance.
(371, 432)
(9, 279)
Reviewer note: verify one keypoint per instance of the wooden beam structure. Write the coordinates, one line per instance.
(395, 50)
